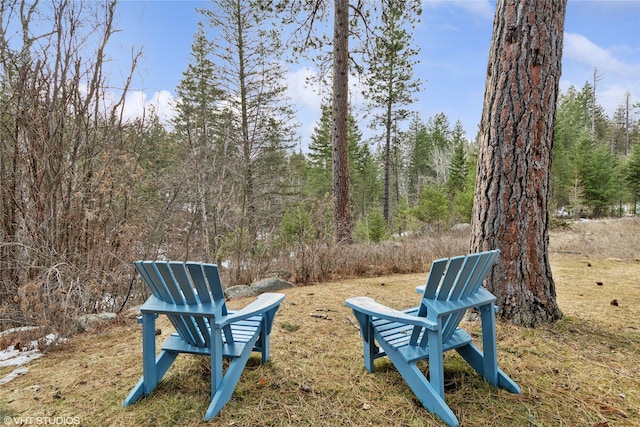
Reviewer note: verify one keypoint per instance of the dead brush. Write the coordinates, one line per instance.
(321, 262)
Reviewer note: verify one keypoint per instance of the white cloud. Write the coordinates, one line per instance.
(307, 95)
(134, 105)
(304, 91)
(616, 77)
(137, 103)
(164, 103)
(613, 96)
(579, 48)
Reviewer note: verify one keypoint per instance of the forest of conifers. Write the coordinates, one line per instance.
(84, 193)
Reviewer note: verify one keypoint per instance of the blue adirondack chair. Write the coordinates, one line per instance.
(190, 295)
(427, 331)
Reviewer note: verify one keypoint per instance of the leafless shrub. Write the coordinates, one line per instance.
(607, 238)
(323, 262)
(65, 165)
(616, 238)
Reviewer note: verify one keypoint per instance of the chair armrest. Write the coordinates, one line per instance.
(439, 308)
(370, 307)
(264, 303)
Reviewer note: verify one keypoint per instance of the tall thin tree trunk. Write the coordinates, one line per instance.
(387, 170)
(341, 211)
(627, 147)
(514, 160)
(248, 209)
(387, 157)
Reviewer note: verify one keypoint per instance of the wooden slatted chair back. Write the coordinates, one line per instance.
(186, 284)
(452, 280)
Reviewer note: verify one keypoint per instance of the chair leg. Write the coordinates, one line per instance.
(489, 350)
(422, 388)
(370, 351)
(153, 369)
(505, 382)
(135, 394)
(436, 361)
(155, 373)
(370, 348)
(225, 385)
(475, 359)
(262, 345)
(485, 362)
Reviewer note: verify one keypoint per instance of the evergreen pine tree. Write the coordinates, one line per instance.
(391, 84)
(247, 56)
(632, 177)
(458, 167)
(419, 157)
(204, 155)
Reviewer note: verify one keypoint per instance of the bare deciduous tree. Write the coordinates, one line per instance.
(63, 162)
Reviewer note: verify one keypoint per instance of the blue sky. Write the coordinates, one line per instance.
(454, 38)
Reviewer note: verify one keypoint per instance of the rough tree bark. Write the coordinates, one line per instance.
(514, 160)
(341, 207)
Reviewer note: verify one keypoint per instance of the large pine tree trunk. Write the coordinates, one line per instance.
(514, 160)
(341, 209)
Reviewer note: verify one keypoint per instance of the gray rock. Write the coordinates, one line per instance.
(91, 322)
(461, 226)
(132, 313)
(239, 291)
(271, 284)
(282, 274)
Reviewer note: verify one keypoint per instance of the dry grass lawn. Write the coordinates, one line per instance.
(582, 371)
